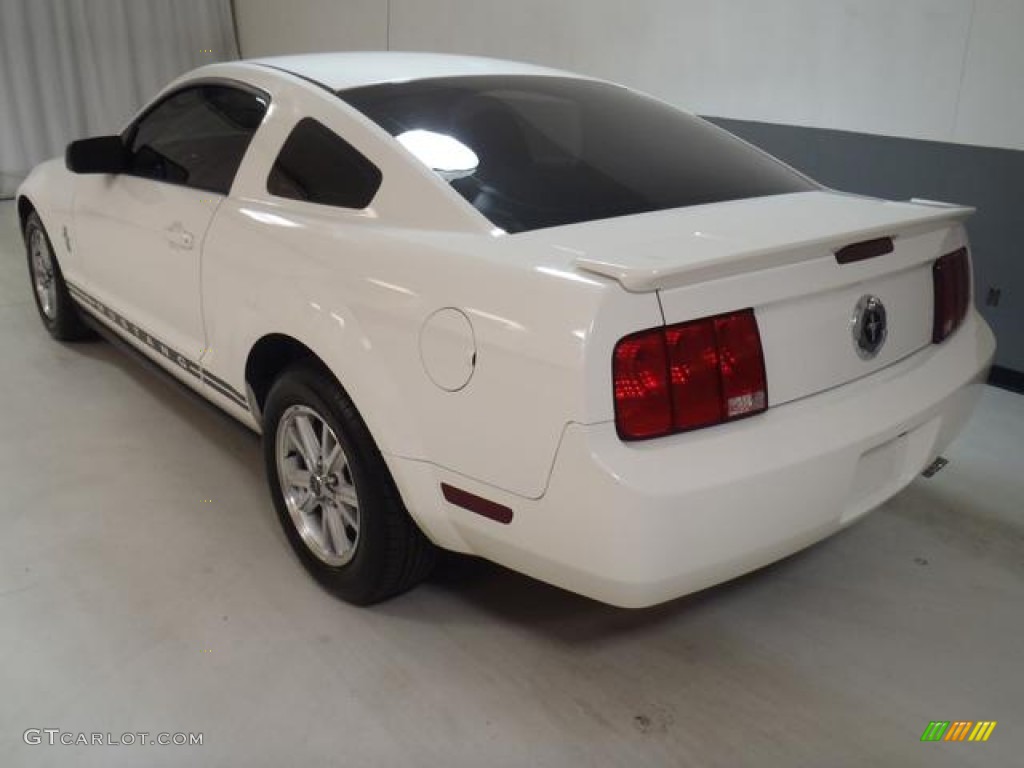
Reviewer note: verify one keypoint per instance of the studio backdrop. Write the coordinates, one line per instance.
(76, 68)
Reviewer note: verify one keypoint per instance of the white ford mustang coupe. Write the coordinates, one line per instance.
(510, 311)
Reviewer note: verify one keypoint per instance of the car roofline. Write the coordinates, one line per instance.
(344, 71)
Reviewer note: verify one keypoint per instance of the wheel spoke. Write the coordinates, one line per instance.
(293, 440)
(346, 494)
(310, 443)
(298, 478)
(331, 450)
(326, 441)
(333, 529)
(336, 463)
(295, 437)
(349, 514)
(307, 505)
(326, 532)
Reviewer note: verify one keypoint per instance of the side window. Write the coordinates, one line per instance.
(318, 166)
(196, 137)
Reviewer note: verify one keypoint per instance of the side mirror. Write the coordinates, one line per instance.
(105, 154)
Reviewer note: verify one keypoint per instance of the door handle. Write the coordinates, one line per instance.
(179, 237)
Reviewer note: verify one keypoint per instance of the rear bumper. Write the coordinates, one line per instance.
(635, 524)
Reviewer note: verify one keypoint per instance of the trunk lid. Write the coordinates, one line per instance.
(778, 255)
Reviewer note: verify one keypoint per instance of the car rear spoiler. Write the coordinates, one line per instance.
(729, 247)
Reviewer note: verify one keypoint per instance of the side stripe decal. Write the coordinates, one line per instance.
(96, 307)
(216, 387)
(218, 383)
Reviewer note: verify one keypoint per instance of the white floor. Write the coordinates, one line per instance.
(129, 602)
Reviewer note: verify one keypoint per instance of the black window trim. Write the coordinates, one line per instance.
(306, 78)
(128, 134)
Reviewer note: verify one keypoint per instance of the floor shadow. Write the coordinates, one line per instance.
(492, 593)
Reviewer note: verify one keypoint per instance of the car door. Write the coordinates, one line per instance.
(140, 233)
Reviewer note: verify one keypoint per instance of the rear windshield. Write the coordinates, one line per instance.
(530, 152)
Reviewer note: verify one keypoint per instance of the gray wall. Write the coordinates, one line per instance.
(275, 27)
(944, 70)
(990, 179)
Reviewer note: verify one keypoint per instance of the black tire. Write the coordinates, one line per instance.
(61, 318)
(391, 554)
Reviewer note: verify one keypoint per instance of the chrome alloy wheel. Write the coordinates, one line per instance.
(317, 485)
(43, 278)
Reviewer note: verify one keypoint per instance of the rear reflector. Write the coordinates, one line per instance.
(951, 276)
(485, 507)
(688, 376)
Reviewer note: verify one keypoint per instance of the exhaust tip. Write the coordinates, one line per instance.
(935, 467)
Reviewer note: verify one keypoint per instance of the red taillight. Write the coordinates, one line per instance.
(688, 376)
(741, 364)
(694, 370)
(951, 277)
(643, 407)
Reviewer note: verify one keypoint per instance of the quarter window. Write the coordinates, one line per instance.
(196, 137)
(318, 166)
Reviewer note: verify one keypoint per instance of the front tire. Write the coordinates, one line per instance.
(334, 495)
(56, 308)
